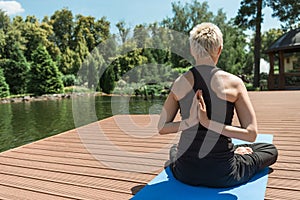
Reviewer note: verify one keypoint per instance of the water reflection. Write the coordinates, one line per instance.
(22, 123)
(6, 137)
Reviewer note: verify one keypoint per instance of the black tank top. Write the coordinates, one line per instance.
(200, 150)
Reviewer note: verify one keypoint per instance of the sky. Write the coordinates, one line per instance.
(133, 12)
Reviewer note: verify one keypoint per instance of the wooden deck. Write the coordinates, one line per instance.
(113, 158)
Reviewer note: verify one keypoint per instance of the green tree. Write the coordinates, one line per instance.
(13, 39)
(52, 48)
(109, 48)
(14, 64)
(63, 25)
(33, 34)
(16, 70)
(288, 12)
(94, 32)
(185, 17)
(107, 81)
(128, 61)
(267, 39)
(250, 16)
(123, 31)
(4, 88)
(83, 32)
(233, 57)
(101, 30)
(80, 46)
(74, 55)
(156, 38)
(4, 21)
(161, 40)
(2, 43)
(141, 35)
(92, 68)
(70, 62)
(45, 76)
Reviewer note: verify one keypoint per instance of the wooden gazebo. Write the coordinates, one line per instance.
(284, 55)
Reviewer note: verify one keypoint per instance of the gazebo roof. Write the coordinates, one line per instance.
(289, 41)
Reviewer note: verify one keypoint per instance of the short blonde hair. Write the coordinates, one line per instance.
(205, 40)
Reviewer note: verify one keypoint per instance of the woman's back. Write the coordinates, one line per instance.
(199, 149)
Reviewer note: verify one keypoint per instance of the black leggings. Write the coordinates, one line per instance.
(244, 167)
(263, 155)
(248, 165)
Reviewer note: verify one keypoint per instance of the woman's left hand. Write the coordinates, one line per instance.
(202, 112)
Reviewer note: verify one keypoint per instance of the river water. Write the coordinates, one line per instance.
(22, 123)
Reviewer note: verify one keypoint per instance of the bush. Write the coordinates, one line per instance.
(181, 70)
(69, 80)
(77, 89)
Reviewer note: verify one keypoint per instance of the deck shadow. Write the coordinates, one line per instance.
(136, 189)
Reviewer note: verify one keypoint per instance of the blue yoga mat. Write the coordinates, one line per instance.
(165, 186)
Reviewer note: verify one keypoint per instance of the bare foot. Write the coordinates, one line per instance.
(243, 150)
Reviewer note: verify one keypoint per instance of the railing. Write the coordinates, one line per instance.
(291, 81)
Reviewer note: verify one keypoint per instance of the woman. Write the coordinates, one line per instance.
(206, 97)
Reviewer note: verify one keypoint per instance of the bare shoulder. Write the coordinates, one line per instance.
(183, 85)
(231, 79)
(227, 85)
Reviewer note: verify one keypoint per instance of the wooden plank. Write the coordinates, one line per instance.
(280, 193)
(58, 189)
(108, 184)
(16, 193)
(75, 166)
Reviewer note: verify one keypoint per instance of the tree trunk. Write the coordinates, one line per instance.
(257, 45)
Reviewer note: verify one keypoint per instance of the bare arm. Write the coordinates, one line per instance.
(166, 124)
(168, 113)
(246, 115)
(181, 86)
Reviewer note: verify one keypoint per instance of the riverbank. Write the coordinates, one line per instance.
(35, 98)
(45, 97)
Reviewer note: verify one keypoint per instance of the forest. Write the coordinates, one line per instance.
(59, 52)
